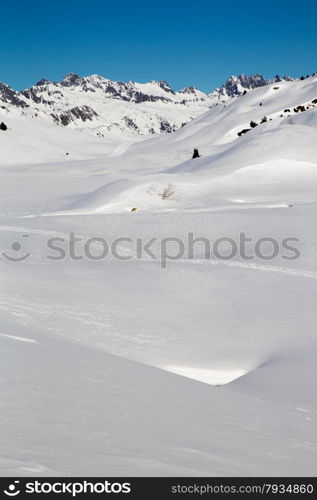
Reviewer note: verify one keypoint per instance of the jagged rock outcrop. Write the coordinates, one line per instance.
(8, 95)
(82, 113)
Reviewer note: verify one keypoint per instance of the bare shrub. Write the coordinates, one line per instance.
(167, 193)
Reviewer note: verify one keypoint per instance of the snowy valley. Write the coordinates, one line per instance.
(188, 363)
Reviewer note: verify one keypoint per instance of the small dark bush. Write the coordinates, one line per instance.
(3, 126)
(195, 154)
(244, 131)
(299, 108)
(253, 124)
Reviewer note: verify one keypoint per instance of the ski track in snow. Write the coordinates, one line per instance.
(21, 339)
(120, 150)
(257, 267)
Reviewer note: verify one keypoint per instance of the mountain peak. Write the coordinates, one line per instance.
(42, 82)
(237, 85)
(163, 84)
(71, 79)
(188, 90)
(10, 96)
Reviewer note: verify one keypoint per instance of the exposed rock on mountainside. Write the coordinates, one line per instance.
(10, 96)
(83, 113)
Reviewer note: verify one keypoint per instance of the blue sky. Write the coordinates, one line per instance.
(185, 42)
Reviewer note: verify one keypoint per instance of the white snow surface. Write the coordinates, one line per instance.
(122, 367)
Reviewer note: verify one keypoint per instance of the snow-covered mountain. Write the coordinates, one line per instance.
(272, 128)
(101, 105)
(239, 85)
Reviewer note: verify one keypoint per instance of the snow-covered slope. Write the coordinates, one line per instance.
(126, 366)
(30, 139)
